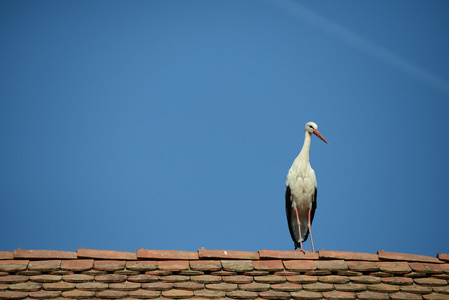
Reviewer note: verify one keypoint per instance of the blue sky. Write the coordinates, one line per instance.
(172, 124)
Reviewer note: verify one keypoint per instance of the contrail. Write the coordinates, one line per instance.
(352, 38)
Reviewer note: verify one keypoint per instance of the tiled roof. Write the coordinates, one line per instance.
(221, 274)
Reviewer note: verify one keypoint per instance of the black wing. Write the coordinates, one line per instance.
(290, 215)
(312, 213)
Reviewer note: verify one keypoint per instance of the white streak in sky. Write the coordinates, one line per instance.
(334, 29)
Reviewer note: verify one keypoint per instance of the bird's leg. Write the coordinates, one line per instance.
(310, 231)
(299, 229)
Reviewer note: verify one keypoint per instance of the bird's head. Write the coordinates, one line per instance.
(311, 127)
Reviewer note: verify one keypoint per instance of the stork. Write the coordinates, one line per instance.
(301, 191)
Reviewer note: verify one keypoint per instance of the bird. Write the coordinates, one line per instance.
(301, 192)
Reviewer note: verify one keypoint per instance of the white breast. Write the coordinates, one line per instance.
(302, 182)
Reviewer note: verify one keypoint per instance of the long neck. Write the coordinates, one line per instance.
(305, 148)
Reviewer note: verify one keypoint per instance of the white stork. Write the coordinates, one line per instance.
(300, 193)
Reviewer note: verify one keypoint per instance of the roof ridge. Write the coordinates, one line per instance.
(221, 274)
(204, 254)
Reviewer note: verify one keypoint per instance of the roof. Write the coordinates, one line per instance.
(220, 274)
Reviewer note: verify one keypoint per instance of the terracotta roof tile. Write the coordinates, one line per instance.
(331, 265)
(443, 256)
(372, 295)
(28, 273)
(166, 254)
(273, 279)
(415, 275)
(318, 287)
(174, 278)
(13, 295)
(430, 281)
(405, 296)
(109, 265)
(307, 295)
(334, 295)
(348, 255)
(25, 286)
(398, 267)
(365, 279)
(321, 272)
(189, 285)
(6, 255)
(302, 279)
(141, 265)
(222, 286)
(77, 278)
(398, 280)
(177, 294)
(407, 257)
(144, 294)
(334, 279)
(255, 287)
(242, 295)
(274, 295)
(43, 254)
(111, 294)
(237, 265)
(268, 265)
(426, 267)
(44, 265)
(77, 265)
(440, 276)
(299, 265)
(294, 254)
(287, 287)
(173, 265)
(44, 294)
(143, 278)
(383, 288)
(206, 278)
(209, 294)
(363, 266)
(205, 265)
(105, 254)
(59, 286)
(416, 289)
(124, 286)
(444, 267)
(13, 265)
(441, 289)
(350, 287)
(157, 286)
(92, 286)
(110, 278)
(435, 296)
(46, 278)
(239, 279)
(226, 254)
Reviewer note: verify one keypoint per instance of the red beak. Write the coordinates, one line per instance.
(318, 134)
